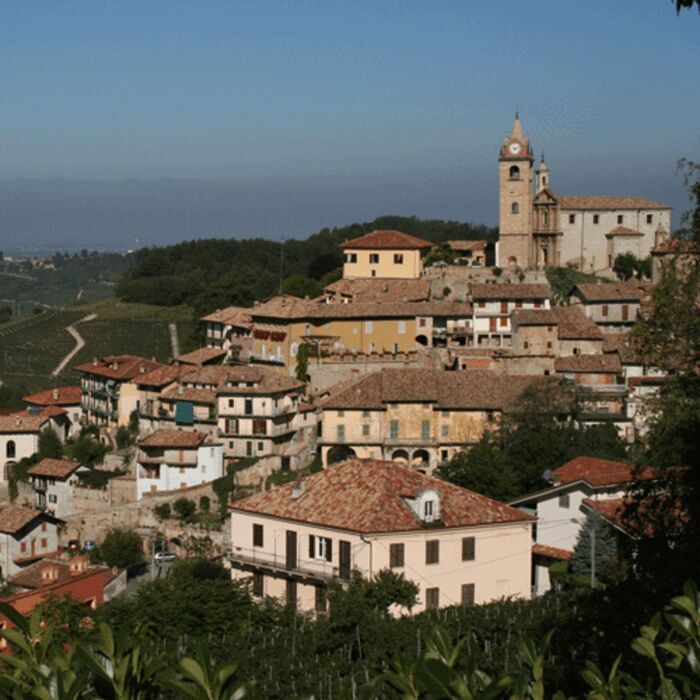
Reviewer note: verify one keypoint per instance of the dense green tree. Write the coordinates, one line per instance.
(628, 266)
(120, 548)
(162, 511)
(300, 286)
(595, 545)
(50, 444)
(184, 507)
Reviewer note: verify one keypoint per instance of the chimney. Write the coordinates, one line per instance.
(180, 390)
(299, 489)
(78, 566)
(142, 369)
(18, 421)
(94, 362)
(49, 574)
(54, 393)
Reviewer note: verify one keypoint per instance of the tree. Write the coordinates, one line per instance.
(185, 507)
(300, 286)
(123, 437)
(162, 511)
(121, 548)
(628, 265)
(204, 504)
(49, 444)
(605, 554)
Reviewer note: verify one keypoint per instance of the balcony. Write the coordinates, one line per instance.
(416, 441)
(273, 563)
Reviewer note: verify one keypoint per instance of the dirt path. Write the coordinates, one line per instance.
(174, 342)
(79, 344)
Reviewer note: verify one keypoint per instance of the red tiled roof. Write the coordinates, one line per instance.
(467, 246)
(575, 325)
(60, 396)
(621, 343)
(32, 577)
(612, 509)
(612, 291)
(124, 367)
(598, 472)
(237, 316)
(25, 422)
(189, 393)
(369, 496)
(510, 291)
(545, 550)
(173, 438)
(13, 518)
(166, 374)
(201, 356)
(678, 246)
(381, 290)
(585, 202)
(622, 231)
(388, 240)
(608, 363)
(58, 468)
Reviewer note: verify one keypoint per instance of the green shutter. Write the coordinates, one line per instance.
(184, 413)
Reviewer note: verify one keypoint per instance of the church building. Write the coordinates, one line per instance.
(539, 228)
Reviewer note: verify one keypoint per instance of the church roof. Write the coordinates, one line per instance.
(602, 203)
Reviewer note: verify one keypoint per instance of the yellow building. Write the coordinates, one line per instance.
(389, 254)
(420, 417)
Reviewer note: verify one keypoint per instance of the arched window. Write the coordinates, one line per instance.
(10, 449)
(514, 208)
(514, 172)
(544, 179)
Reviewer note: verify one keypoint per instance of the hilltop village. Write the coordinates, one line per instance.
(310, 439)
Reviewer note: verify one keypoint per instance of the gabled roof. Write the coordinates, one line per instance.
(622, 231)
(612, 291)
(201, 356)
(677, 246)
(575, 325)
(237, 316)
(60, 396)
(123, 367)
(173, 439)
(603, 203)
(545, 550)
(370, 497)
(13, 518)
(607, 363)
(510, 291)
(387, 240)
(598, 472)
(381, 290)
(622, 344)
(54, 468)
(26, 422)
(468, 246)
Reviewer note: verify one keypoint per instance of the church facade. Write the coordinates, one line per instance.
(539, 228)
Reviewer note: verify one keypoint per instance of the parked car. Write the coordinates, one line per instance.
(73, 546)
(89, 546)
(165, 557)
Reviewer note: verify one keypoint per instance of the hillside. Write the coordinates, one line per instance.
(214, 273)
(32, 347)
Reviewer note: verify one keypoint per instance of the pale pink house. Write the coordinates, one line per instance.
(459, 547)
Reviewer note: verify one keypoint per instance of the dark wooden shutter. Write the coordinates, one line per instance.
(432, 598)
(468, 549)
(344, 564)
(329, 549)
(468, 591)
(320, 598)
(258, 535)
(432, 552)
(312, 546)
(396, 555)
(291, 549)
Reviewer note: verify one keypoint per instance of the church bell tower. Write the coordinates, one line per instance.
(515, 199)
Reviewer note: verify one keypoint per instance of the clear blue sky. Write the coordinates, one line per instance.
(322, 113)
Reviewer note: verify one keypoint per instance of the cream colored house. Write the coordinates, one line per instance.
(67, 398)
(229, 330)
(53, 481)
(460, 548)
(416, 417)
(384, 254)
(613, 306)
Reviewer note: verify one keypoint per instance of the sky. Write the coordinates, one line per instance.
(143, 123)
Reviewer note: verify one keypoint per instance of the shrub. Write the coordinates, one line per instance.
(185, 508)
(162, 511)
(204, 503)
(121, 548)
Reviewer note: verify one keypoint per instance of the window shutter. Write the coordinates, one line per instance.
(468, 549)
(312, 546)
(329, 549)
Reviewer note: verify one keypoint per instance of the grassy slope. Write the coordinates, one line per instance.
(31, 347)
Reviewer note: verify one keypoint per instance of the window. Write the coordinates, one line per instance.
(394, 348)
(341, 413)
(514, 172)
(398, 258)
(373, 258)
(394, 429)
(369, 326)
(350, 257)
(396, 555)
(468, 593)
(604, 310)
(53, 498)
(249, 449)
(421, 323)
(526, 345)
(482, 304)
(564, 500)
(503, 321)
(10, 449)
(432, 550)
(341, 433)
(444, 455)
(468, 549)
(43, 527)
(432, 598)
(365, 414)
(425, 430)
(248, 408)
(261, 447)
(620, 218)
(549, 345)
(44, 542)
(320, 598)
(650, 218)
(320, 548)
(518, 304)
(258, 585)
(365, 430)
(401, 327)
(445, 431)
(504, 307)
(23, 547)
(514, 208)
(291, 593)
(572, 218)
(596, 218)
(258, 536)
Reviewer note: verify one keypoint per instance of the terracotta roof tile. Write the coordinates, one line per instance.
(13, 518)
(510, 291)
(25, 422)
(60, 396)
(32, 577)
(468, 246)
(607, 363)
(370, 496)
(58, 468)
(123, 367)
(388, 240)
(575, 325)
(381, 290)
(586, 202)
(612, 509)
(173, 438)
(545, 550)
(201, 356)
(622, 231)
(159, 377)
(189, 393)
(612, 291)
(237, 316)
(598, 472)
(622, 344)
(678, 246)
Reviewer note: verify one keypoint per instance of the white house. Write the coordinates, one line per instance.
(561, 509)
(363, 515)
(169, 460)
(67, 398)
(53, 481)
(25, 536)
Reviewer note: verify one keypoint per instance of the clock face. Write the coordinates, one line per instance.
(514, 148)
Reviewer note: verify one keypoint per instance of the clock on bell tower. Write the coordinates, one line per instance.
(515, 199)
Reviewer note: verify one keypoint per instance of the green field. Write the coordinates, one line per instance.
(31, 347)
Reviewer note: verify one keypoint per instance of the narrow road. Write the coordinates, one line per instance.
(79, 344)
(174, 342)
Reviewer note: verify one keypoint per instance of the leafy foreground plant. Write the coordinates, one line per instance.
(125, 667)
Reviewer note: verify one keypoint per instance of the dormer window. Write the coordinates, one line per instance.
(426, 506)
(428, 511)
